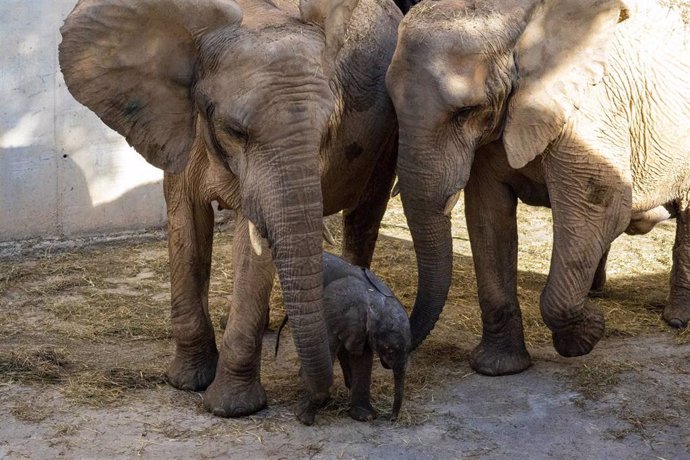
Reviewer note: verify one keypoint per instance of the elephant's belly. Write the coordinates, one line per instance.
(342, 185)
(348, 173)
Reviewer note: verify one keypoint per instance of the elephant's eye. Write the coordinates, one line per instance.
(463, 113)
(230, 135)
(236, 131)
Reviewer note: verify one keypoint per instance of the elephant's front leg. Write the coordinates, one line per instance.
(237, 389)
(599, 281)
(361, 223)
(591, 207)
(490, 208)
(677, 312)
(360, 385)
(190, 237)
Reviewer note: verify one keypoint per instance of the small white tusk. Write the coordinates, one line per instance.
(450, 204)
(255, 239)
(396, 190)
(328, 236)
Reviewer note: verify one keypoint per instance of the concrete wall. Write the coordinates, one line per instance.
(62, 171)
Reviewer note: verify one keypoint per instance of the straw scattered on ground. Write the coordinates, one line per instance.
(95, 321)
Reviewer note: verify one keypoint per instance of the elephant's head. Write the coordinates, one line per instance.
(466, 73)
(389, 335)
(174, 75)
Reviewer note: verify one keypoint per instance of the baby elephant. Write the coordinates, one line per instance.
(362, 316)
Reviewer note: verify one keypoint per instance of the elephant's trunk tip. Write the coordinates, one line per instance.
(399, 375)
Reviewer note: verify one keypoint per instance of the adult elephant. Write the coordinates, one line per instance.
(275, 109)
(580, 105)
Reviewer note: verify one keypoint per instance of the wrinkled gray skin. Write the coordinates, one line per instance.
(362, 317)
(580, 105)
(275, 109)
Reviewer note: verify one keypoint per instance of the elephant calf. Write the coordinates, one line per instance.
(362, 316)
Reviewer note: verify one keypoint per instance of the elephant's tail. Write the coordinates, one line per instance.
(280, 329)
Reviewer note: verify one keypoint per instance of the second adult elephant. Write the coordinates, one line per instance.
(273, 108)
(583, 106)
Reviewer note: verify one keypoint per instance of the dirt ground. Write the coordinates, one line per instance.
(85, 338)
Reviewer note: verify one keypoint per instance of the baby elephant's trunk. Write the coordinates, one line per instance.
(399, 376)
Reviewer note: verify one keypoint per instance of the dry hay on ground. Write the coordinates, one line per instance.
(95, 322)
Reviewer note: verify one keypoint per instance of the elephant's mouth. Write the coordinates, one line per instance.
(384, 364)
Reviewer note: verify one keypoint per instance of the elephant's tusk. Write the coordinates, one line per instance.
(255, 239)
(396, 190)
(450, 204)
(328, 236)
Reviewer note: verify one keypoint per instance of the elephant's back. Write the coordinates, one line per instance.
(257, 13)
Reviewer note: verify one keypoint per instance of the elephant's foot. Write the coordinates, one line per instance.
(677, 316)
(224, 399)
(363, 412)
(308, 407)
(193, 371)
(579, 338)
(491, 358)
(677, 311)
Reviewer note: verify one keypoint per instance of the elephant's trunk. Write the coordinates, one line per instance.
(292, 211)
(423, 202)
(399, 377)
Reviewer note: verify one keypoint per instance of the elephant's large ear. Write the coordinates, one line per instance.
(560, 54)
(132, 63)
(334, 16)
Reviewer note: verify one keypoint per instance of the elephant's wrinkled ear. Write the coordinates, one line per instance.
(559, 55)
(377, 283)
(132, 63)
(334, 16)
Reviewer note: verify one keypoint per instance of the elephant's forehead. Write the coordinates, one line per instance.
(483, 27)
(279, 46)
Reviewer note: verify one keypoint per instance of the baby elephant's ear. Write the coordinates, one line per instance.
(377, 283)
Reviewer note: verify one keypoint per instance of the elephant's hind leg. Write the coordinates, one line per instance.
(490, 208)
(190, 237)
(237, 390)
(677, 312)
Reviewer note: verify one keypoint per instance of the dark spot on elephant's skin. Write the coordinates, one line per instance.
(133, 107)
(599, 195)
(353, 151)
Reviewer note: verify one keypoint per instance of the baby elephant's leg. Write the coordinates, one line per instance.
(360, 367)
(344, 359)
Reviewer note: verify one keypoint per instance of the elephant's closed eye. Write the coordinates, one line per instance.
(236, 131)
(229, 135)
(463, 113)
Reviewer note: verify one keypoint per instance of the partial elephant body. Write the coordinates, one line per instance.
(582, 106)
(283, 119)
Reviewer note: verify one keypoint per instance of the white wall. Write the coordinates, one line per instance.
(62, 171)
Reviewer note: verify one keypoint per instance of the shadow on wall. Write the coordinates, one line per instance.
(138, 207)
(51, 195)
(62, 171)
